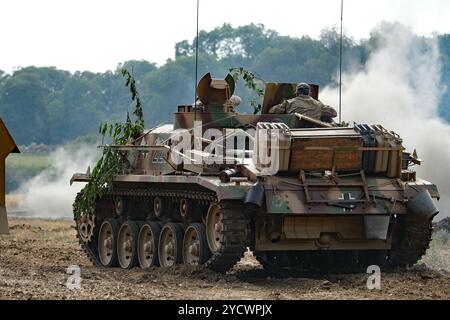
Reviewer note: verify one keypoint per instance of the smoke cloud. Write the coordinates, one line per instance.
(49, 194)
(400, 87)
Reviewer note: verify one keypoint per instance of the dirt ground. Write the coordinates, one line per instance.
(34, 259)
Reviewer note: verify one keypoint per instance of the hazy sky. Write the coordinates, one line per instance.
(98, 34)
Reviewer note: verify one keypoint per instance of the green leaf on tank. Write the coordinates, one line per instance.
(250, 80)
(111, 162)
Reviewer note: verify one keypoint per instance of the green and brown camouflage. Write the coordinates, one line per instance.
(322, 198)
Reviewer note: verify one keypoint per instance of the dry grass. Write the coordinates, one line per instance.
(438, 255)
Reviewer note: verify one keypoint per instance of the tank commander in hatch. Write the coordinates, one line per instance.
(306, 105)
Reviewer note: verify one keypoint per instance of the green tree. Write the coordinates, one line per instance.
(46, 105)
(23, 101)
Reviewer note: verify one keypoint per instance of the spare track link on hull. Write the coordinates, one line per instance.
(235, 232)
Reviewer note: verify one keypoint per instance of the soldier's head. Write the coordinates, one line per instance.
(303, 88)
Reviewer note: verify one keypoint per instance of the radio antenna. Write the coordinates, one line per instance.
(340, 66)
(196, 65)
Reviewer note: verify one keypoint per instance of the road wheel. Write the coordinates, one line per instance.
(214, 228)
(148, 244)
(107, 243)
(195, 246)
(127, 244)
(171, 245)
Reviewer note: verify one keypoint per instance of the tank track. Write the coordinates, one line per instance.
(411, 239)
(235, 231)
(411, 243)
(236, 234)
(90, 250)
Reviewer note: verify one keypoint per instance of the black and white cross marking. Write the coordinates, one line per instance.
(347, 196)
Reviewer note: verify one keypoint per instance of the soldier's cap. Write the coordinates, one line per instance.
(302, 86)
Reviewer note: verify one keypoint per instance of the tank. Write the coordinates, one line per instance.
(297, 192)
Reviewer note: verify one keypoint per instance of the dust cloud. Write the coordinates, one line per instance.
(49, 194)
(400, 87)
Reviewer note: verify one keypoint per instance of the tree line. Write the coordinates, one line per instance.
(51, 106)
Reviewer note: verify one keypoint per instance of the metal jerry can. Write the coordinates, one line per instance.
(369, 142)
(382, 156)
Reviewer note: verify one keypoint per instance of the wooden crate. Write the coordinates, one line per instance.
(339, 146)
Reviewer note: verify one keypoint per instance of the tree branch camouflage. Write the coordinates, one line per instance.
(122, 132)
(112, 162)
(249, 78)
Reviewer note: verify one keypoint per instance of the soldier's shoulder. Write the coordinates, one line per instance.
(319, 102)
(303, 97)
(291, 100)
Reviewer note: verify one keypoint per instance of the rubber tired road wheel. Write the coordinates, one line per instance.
(171, 245)
(195, 246)
(107, 243)
(148, 244)
(127, 245)
(214, 228)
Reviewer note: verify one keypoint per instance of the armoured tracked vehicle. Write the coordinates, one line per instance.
(298, 192)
